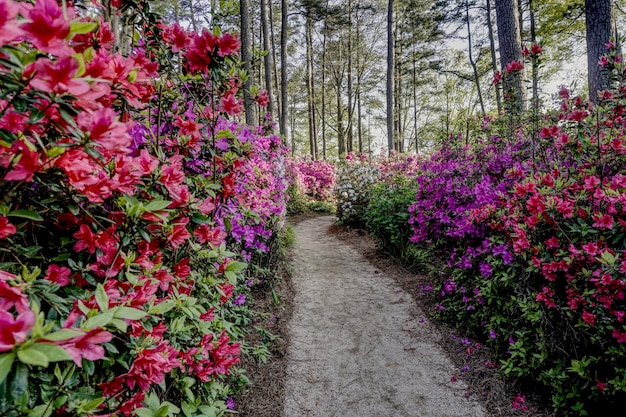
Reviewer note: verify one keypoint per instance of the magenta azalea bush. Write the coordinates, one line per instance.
(133, 211)
(530, 232)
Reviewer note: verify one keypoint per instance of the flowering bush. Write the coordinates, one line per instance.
(353, 190)
(316, 177)
(311, 185)
(530, 228)
(124, 189)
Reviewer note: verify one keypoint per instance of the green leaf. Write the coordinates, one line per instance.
(163, 307)
(143, 412)
(6, 363)
(63, 334)
(93, 404)
(156, 205)
(54, 353)
(33, 356)
(120, 325)
(25, 214)
(43, 410)
(129, 313)
(188, 409)
(79, 28)
(236, 267)
(102, 298)
(162, 412)
(101, 320)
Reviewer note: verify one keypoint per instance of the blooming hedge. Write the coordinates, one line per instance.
(530, 232)
(130, 204)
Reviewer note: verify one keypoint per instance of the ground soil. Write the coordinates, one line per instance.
(354, 339)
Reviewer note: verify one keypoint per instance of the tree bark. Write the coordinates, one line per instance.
(267, 59)
(350, 92)
(535, 69)
(309, 82)
(274, 60)
(471, 58)
(510, 50)
(390, 70)
(283, 69)
(600, 21)
(494, 60)
(323, 115)
(248, 102)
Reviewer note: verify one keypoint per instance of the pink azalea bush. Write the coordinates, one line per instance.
(315, 177)
(130, 204)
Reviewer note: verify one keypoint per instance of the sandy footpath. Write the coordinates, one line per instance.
(359, 345)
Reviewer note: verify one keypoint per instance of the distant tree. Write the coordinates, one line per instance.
(390, 73)
(510, 44)
(248, 102)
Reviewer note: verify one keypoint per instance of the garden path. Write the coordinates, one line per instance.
(360, 346)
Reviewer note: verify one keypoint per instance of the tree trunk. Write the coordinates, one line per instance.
(510, 51)
(274, 61)
(192, 16)
(535, 69)
(283, 69)
(267, 59)
(417, 148)
(350, 92)
(390, 69)
(323, 115)
(494, 61)
(600, 21)
(309, 82)
(471, 58)
(341, 142)
(248, 102)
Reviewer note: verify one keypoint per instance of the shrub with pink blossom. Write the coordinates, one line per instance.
(130, 204)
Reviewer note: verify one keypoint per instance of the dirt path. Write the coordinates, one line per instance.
(359, 346)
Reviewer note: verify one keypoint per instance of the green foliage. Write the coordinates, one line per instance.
(387, 217)
(322, 207)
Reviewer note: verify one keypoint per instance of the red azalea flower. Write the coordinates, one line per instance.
(14, 330)
(199, 53)
(589, 318)
(603, 221)
(86, 239)
(213, 235)
(231, 105)
(182, 268)
(263, 98)
(226, 291)
(12, 297)
(228, 44)
(109, 134)
(514, 66)
(86, 346)
(58, 274)
(9, 26)
(28, 163)
(176, 37)
(6, 228)
(179, 233)
(47, 29)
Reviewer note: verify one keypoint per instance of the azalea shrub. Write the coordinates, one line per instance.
(356, 177)
(387, 217)
(311, 185)
(135, 213)
(533, 247)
